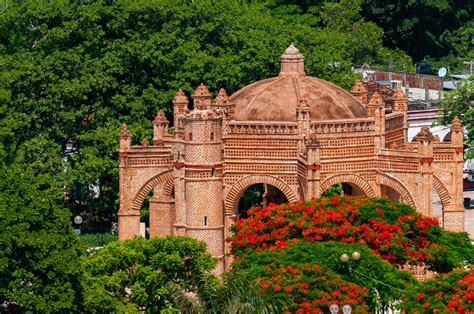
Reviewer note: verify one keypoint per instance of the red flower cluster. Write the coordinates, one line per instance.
(453, 292)
(393, 230)
(313, 288)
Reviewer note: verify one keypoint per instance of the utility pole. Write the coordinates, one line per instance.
(470, 64)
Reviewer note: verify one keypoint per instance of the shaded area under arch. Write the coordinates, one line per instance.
(233, 196)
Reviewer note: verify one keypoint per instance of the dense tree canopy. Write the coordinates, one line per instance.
(39, 254)
(71, 71)
(460, 103)
(421, 28)
(135, 275)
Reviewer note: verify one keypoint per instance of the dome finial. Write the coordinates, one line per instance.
(292, 61)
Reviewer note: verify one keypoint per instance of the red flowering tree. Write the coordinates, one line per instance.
(311, 288)
(316, 267)
(393, 230)
(451, 293)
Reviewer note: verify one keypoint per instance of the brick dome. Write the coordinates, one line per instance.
(276, 99)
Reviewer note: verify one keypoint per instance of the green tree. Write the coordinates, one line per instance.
(39, 253)
(460, 103)
(384, 282)
(72, 71)
(135, 275)
(423, 28)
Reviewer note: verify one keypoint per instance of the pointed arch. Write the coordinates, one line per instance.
(233, 196)
(405, 195)
(349, 178)
(160, 178)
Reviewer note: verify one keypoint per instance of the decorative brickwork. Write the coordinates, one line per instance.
(349, 178)
(405, 195)
(238, 188)
(294, 133)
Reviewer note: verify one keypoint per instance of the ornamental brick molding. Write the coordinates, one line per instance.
(233, 196)
(295, 133)
(351, 179)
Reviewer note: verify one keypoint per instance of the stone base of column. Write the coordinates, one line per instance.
(129, 225)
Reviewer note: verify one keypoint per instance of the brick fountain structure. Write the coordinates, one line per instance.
(296, 134)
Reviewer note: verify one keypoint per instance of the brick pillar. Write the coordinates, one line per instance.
(400, 104)
(303, 119)
(314, 168)
(128, 219)
(180, 108)
(360, 92)
(162, 217)
(453, 216)
(180, 196)
(424, 202)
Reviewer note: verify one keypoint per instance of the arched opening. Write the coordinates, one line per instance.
(343, 188)
(259, 194)
(145, 216)
(157, 211)
(437, 210)
(447, 137)
(390, 193)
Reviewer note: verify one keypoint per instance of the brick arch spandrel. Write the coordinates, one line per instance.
(160, 178)
(442, 192)
(405, 195)
(168, 189)
(238, 188)
(349, 178)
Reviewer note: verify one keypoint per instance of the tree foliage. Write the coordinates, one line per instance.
(238, 293)
(39, 253)
(71, 71)
(421, 28)
(393, 230)
(451, 293)
(370, 283)
(136, 275)
(460, 103)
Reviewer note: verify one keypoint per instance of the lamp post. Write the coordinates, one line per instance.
(346, 309)
(78, 222)
(355, 256)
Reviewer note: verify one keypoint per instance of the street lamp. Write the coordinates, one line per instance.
(78, 222)
(346, 309)
(355, 256)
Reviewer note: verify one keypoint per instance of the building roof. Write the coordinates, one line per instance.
(276, 99)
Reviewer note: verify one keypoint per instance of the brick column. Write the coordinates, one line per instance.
(424, 202)
(162, 217)
(453, 216)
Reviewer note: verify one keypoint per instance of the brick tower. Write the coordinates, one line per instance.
(203, 174)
